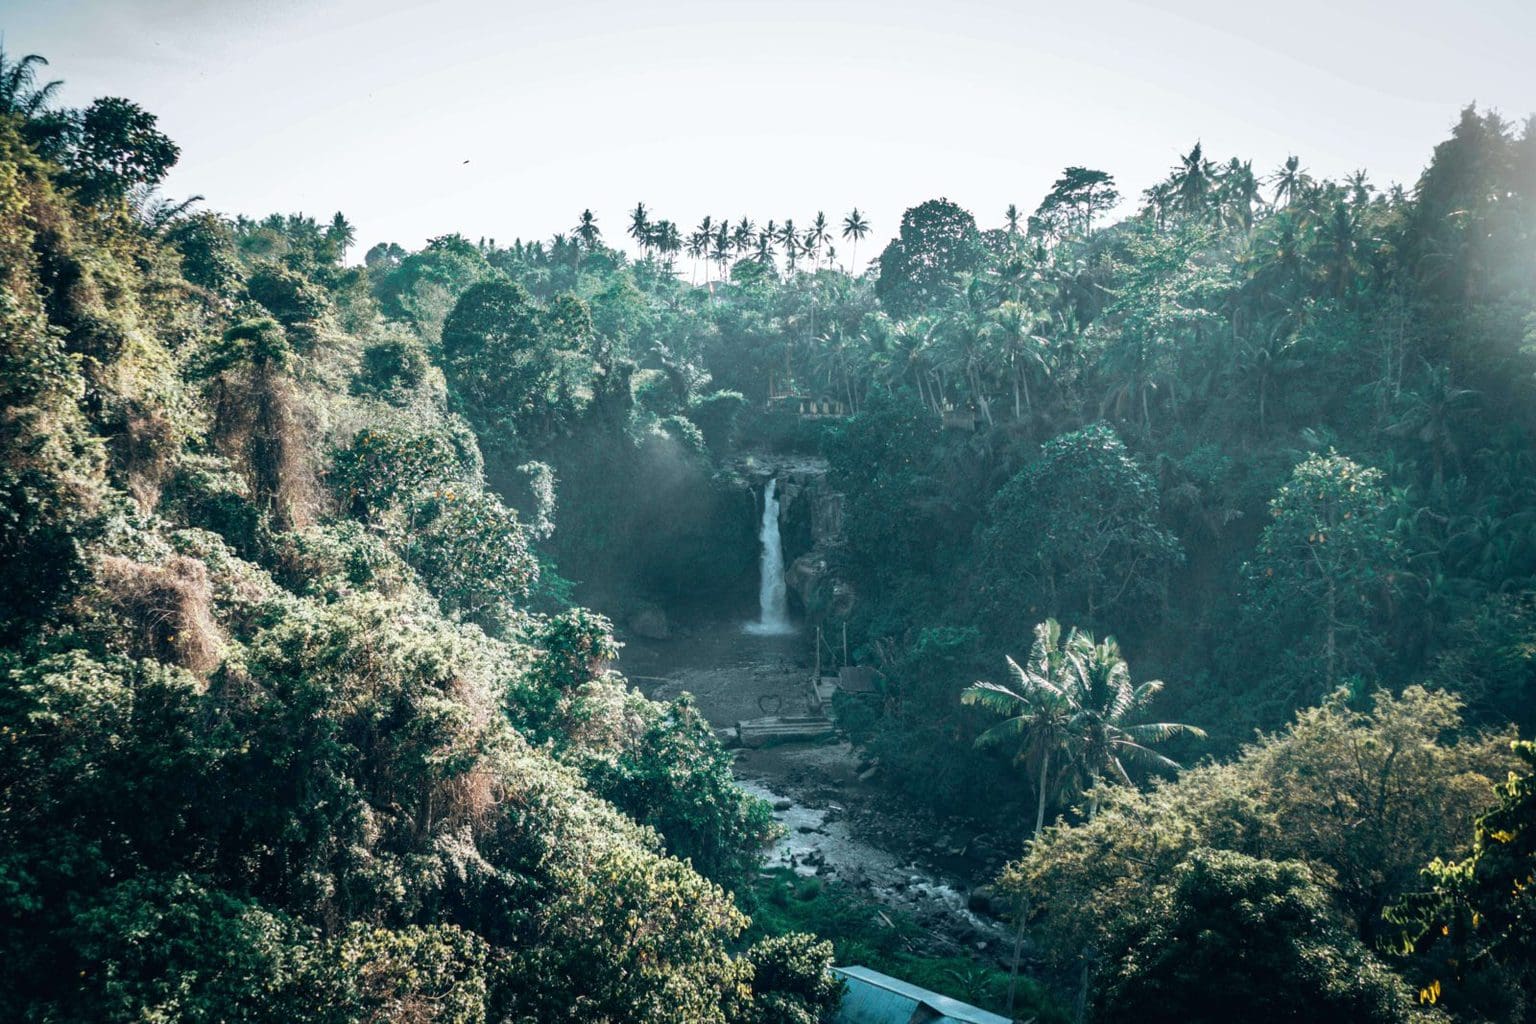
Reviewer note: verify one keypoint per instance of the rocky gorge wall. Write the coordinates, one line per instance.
(811, 524)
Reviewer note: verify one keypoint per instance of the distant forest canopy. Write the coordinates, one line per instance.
(303, 722)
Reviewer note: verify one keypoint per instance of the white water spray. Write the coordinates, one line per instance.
(773, 605)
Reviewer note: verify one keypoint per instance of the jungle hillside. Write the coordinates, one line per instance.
(1177, 550)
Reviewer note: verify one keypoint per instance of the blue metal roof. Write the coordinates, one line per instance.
(874, 998)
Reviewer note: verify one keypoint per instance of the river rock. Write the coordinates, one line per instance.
(983, 899)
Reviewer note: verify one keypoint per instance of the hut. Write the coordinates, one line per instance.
(870, 997)
(857, 679)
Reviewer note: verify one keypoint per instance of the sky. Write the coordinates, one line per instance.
(503, 119)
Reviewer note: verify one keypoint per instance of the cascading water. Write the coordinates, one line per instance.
(773, 606)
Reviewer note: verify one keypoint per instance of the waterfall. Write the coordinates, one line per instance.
(773, 608)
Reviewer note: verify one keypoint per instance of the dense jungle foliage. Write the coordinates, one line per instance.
(302, 718)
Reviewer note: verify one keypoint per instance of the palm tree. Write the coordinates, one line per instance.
(1264, 355)
(1430, 418)
(19, 93)
(855, 227)
(1337, 235)
(1011, 218)
(1105, 701)
(699, 242)
(743, 237)
(1238, 193)
(791, 242)
(640, 227)
(1037, 716)
(1289, 181)
(697, 245)
(1036, 709)
(766, 239)
(966, 331)
(340, 234)
(818, 236)
(668, 240)
(587, 230)
(1192, 181)
(1014, 323)
(1075, 700)
(902, 349)
(1359, 188)
(722, 248)
(1159, 198)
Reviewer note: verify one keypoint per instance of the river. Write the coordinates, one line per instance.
(835, 824)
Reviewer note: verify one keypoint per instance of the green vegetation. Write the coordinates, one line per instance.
(282, 734)
(886, 940)
(300, 721)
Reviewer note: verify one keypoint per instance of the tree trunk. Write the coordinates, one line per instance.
(981, 398)
(1331, 642)
(1023, 908)
(1045, 774)
(1081, 1014)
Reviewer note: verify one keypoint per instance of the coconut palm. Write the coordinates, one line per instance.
(696, 246)
(1037, 718)
(1289, 181)
(791, 240)
(1192, 182)
(1069, 704)
(721, 251)
(640, 227)
(699, 242)
(1036, 710)
(1238, 193)
(587, 230)
(743, 237)
(1359, 188)
(1429, 419)
(668, 240)
(1011, 218)
(340, 234)
(818, 237)
(855, 227)
(1074, 703)
(1013, 326)
(765, 251)
(1105, 701)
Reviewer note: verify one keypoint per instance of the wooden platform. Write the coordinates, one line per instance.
(758, 732)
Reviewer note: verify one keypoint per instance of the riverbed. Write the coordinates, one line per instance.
(836, 824)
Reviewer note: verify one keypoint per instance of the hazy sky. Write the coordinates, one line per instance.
(770, 109)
